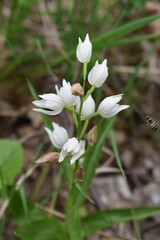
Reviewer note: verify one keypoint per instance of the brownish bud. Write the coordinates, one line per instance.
(92, 136)
(80, 174)
(77, 89)
(48, 158)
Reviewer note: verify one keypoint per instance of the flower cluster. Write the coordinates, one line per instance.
(82, 106)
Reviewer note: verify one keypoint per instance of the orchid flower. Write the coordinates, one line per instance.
(75, 148)
(98, 74)
(109, 107)
(58, 136)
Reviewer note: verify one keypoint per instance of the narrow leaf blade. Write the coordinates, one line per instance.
(115, 149)
(108, 218)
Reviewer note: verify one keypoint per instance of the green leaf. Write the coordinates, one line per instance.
(91, 162)
(124, 30)
(73, 220)
(24, 201)
(116, 153)
(131, 40)
(67, 170)
(42, 229)
(109, 39)
(108, 218)
(11, 160)
(46, 119)
(37, 225)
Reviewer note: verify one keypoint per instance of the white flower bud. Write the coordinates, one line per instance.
(88, 106)
(77, 89)
(51, 157)
(58, 136)
(98, 74)
(109, 107)
(84, 50)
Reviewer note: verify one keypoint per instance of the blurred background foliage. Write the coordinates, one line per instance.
(38, 40)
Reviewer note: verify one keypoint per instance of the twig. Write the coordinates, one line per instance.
(144, 71)
(51, 211)
(31, 135)
(25, 175)
(101, 170)
(111, 156)
(111, 236)
(3, 207)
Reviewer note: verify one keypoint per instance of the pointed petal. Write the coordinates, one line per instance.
(51, 113)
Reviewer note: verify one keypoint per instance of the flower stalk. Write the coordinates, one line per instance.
(72, 150)
(82, 101)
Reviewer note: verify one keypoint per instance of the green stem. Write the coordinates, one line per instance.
(89, 92)
(84, 128)
(81, 105)
(90, 116)
(75, 119)
(71, 109)
(84, 75)
(73, 220)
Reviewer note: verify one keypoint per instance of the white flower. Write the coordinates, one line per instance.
(51, 102)
(98, 74)
(109, 107)
(88, 106)
(84, 50)
(65, 93)
(75, 148)
(58, 136)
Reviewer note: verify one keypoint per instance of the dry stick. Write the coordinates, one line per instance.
(24, 176)
(110, 236)
(104, 168)
(40, 182)
(144, 71)
(51, 211)
(111, 156)
(101, 170)
(3, 207)
(31, 135)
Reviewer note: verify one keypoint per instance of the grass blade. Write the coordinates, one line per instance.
(91, 162)
(84, 194)
(108, 39)
(124, 30)
(24, 201)
(127, 41)
(108, 218)
(116, 153)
